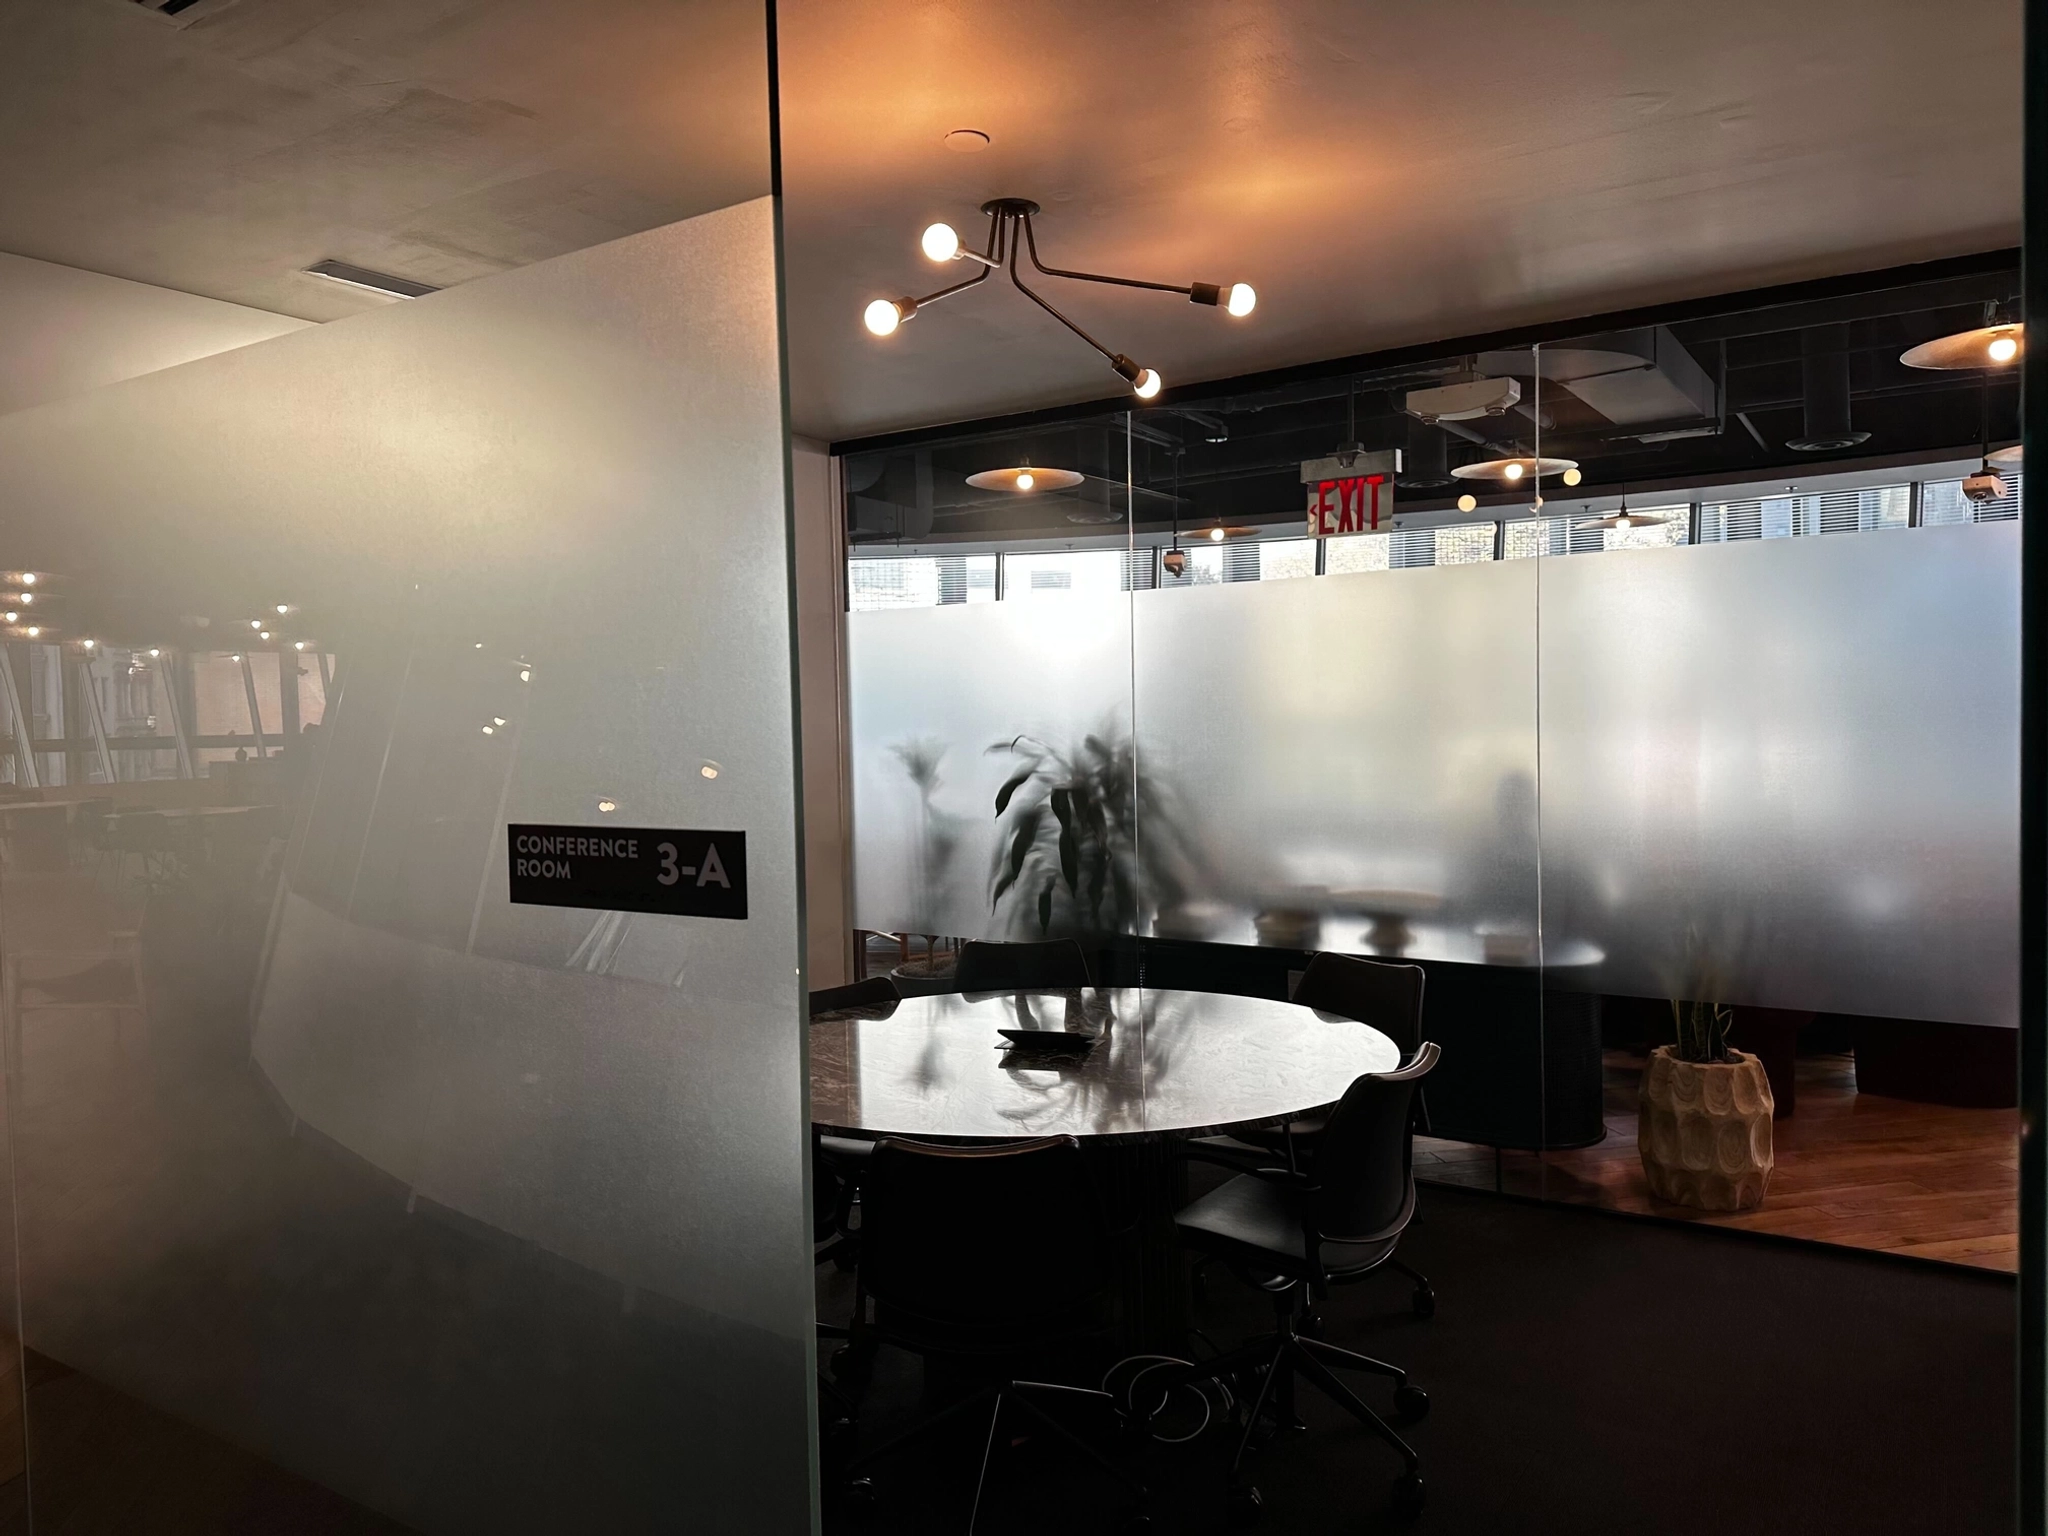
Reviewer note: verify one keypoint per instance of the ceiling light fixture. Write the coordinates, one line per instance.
(28, 578)
(1025, 478)
(1513, 470)
(1624, 520)
(1011, 239)
(1989, 346)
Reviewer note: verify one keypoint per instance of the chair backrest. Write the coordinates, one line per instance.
(1364, 1159)
(1054, 964)
(1003, 1241)
(1375, 992)
(875, 992)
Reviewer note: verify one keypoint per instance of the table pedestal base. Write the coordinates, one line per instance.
(1143, 1183)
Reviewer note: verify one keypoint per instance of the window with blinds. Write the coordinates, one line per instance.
(1785, 517)
(919, 581)
(1943, 501)
(1660, 527)
(928, 581)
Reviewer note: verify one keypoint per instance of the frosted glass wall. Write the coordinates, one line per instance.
(1790, 768)
(481, 1217)
(1347, 754)
(1782, 772)
(946, 705)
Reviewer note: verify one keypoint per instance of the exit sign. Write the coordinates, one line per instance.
(1351, 492)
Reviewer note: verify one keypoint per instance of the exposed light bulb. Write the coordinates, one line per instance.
(234, 656)
(940, 242)
(2003, 349)
(1572, 476)
(1216, 535)
(154, 651)
(1622, 524)
(881, 318)
(255, 623)
(1025, 482)
(478, 646)
(297, 645)
(497, 719)
(607, 806)
(12, 616)
(28, 578)
(709, 770)
(490, 730)
(1513, 472)
(1468, 502)
(1243, 300)
(34, 630)
(263, 634)
(284, 608)
(1147, 383)
(26, 598)
(87, 644)
(525, 675)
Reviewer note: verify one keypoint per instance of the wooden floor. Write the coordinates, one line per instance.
(1852, 1168)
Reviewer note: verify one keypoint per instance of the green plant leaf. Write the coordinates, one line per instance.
(1063, 808)
(1011, 788)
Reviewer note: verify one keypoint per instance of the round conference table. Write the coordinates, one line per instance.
(1165, 1066)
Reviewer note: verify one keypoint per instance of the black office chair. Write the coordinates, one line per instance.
(990, 1254)
(837, 1161)
(1295, 1234)
(1053, 966)
(1386, 996)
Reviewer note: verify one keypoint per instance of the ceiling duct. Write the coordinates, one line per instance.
(1824, 353)
(1637, 378)
(1427, 461)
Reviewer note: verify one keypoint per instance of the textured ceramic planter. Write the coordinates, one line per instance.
(1705, 1130)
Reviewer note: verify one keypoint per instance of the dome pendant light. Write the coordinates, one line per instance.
(1624, 520)
(1010, 239)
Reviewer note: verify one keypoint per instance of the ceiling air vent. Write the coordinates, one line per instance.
(184, 12)
(363, 277)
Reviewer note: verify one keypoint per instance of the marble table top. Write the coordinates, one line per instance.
(1166, 1064)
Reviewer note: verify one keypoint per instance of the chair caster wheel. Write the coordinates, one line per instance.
(1137, 1522)
(1410, 1403)
(1243, 1504)
(1424, 1301)
(1408, 1494)
(859, 1496)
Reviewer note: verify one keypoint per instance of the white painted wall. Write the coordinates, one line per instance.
(64, 331)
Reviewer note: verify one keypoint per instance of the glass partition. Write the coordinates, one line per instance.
(345, 1192)
(1666, 687)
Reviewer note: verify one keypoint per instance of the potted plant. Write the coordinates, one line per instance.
(1704, 1126)
(1068, 858)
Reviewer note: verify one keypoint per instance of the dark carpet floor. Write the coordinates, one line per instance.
(1588, 1374)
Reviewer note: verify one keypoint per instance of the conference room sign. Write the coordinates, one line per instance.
(682, 873)
(1351, 492)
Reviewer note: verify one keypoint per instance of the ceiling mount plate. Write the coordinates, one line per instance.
(1009, 205)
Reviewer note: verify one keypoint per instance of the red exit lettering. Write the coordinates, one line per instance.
(1353, 503)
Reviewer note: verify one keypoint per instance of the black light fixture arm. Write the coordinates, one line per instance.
(990, 262)
(1031, 244)
(1017, 278)
(1011, 237)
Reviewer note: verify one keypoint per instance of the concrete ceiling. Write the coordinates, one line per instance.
(1383, 172)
